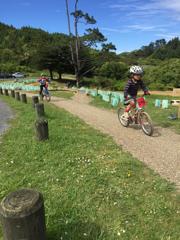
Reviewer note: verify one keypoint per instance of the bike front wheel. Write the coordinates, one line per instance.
(124, 122)
(146, 123)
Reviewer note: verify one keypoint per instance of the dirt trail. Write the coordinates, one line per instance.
(160, 152)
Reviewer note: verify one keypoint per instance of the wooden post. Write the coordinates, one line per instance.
(17, 96)
(179, 111)
(40, 110)
(42, 131)
(22, 215)
(35, 100)
(13, 93)
(1, 91)
(23, 98)
(6, 92)
(41, 97)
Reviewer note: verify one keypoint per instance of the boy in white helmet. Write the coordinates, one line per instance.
(131, 89)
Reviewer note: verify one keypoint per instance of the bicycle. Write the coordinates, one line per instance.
(46, 94)
(137, 116)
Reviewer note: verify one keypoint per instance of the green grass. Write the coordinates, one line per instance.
(158, 115)
(62, 94)
(92, 189)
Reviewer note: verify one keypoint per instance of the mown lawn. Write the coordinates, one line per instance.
(62, 94)
(158, 115)
(92, 189)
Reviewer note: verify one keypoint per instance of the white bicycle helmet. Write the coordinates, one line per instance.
(136, 70)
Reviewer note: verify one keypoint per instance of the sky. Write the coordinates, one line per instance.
(129, 24)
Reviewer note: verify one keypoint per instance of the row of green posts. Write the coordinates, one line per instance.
(108, 96)
(20, 85)
(162, 103)
(117, 97)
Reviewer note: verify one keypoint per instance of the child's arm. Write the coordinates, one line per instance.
(144, 88)
(126, 89)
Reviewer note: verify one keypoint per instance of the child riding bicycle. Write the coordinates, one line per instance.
(43, 80)
(131, 89)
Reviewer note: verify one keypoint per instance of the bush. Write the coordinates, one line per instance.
(114, 70)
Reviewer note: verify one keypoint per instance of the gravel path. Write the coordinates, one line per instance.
(160, 152)
(5, 115)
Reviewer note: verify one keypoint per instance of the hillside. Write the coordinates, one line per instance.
(29, 49)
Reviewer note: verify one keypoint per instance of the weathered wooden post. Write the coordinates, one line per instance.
(35, 100)
(42, 131)
(13, 93)
(17, 96)
(179, 111)
(1, 91)
(6, 92)
(40, 110)
(22, 216)
(23, 98)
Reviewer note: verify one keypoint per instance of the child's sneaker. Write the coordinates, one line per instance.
(125, 116)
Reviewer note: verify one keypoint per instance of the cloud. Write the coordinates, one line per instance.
(151, 8)
(168, 36)
(115, 30)
(141, 27)
(148, 28)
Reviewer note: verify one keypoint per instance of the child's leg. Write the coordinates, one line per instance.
(131, 105)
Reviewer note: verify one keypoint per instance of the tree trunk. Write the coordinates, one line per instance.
(70, 34)
(77, 45)
(42, 131)
(23, 216)
(51, 74)
(1, 91)
(75, 59)
(35, 100)
(60, 75)
(23, 98)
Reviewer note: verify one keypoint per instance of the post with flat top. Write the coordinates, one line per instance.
(35, 100)
(40, 110)
(13, 93)
(23, 98)
(179, 111)
(6, 92)
(42, 131)
(17, 96)
(22, 215)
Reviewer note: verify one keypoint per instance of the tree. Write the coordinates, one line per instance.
(114, 70)
(79, 44)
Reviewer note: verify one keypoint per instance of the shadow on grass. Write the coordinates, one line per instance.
(77, 231)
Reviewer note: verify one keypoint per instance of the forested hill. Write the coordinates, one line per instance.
(23, 48)
(29, 48)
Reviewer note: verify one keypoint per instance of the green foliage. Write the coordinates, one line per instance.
(92, 189)
(163, 76)
(33, 48)
(114, 70)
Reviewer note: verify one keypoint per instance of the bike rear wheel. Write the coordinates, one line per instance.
(123, 121)
(146, 123)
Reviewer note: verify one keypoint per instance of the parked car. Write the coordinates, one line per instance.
(18, 75)
(4, 75)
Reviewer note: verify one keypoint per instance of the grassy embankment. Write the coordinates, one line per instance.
(92, 189)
